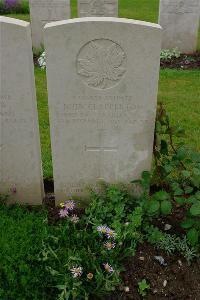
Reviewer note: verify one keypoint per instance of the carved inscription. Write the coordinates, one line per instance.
(48, 4)
(8, 114)
(101, 63)
(181, 7)
(97, 7)
(102, 111)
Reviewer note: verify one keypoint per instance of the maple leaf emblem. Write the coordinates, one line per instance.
(102, 65)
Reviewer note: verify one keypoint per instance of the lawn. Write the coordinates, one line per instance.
(179, 90)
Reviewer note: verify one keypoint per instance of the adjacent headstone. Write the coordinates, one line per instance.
(20, 161)
(45, 11)
(180, 22)
(98, 8)
(102, 100)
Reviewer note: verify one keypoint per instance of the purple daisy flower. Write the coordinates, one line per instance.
(63, 213)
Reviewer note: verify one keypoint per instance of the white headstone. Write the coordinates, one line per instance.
(45, 11)
(98, 8)
(102, 99)
(20, 161)
(180, 22)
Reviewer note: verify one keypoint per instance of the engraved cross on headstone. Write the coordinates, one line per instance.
(101, 150)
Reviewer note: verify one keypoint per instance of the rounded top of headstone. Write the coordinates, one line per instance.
(14, 21)
(103, 19)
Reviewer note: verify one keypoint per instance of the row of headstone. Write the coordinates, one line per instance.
(20, 158)
(45, 11)
(179, 19)
(102, 91)
(180, 22)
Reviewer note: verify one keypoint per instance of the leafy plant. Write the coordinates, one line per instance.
(143, 287)
(84, 258)
(168, 54)
(170, 243)
(177, 170)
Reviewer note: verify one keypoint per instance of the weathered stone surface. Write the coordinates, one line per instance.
(98, 8)
(102, 84)
(45, 11)
(20, 161)
(180, 21)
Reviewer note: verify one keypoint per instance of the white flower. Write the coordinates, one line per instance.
(42, 61)
(102, 229)
(76, 271)
(109, 245)
(74, 219)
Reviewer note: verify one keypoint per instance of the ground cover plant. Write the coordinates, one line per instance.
(82, 253)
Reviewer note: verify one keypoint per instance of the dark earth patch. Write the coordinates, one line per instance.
(184, 62)
(183, 280)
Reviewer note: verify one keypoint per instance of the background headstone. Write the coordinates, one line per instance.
(20, 161)
(180, 22)
(102, 100)
(44, 11)
(98, 8)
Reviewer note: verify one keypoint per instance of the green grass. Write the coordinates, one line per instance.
(179, 90)
(40, 79)
(22, 233)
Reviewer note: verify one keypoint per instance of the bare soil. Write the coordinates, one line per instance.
(184, 62)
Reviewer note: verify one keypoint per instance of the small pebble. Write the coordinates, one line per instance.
(161, 260)
(167, 227)
(165, 283)
(155, 291)
(180, 263)
(141, 258)
(126, 289)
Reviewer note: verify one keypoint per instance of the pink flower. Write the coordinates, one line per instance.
(69, 205)
(63, 213)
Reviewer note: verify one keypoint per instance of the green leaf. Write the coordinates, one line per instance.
(153, 207)
(168, 168)
(188, 223)
(180, 200)
(193, 236)
(188, 189)
(178, 192)
(164, 147)
(195, 209)
(196, 171)
(166, 207)
(186, 174)
(181, 153)
(161, 196)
